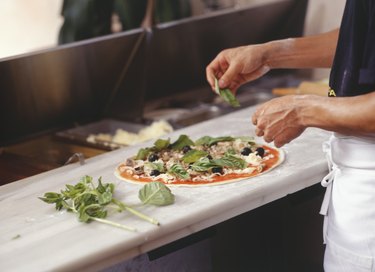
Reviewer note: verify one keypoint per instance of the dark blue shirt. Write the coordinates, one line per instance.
(353, 70)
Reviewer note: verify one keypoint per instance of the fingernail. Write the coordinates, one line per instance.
(222, 83)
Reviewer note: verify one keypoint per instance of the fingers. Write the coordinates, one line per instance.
(216, 69)
(259, 132)
(211, 73)
(264, 69)
(228, 77)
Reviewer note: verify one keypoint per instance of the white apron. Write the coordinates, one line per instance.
(349, 204)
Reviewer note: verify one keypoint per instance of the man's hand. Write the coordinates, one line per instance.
(236, 66)
(279, 120)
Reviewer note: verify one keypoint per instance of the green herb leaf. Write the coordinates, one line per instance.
(51, 197)
(105, 198)
(178, 171)
(226, 94)
(90, 202)
(182, 141)
(230, 151)
(156, 193)
(203, 165)
(54, 198)
(155, 166)
(229, 97)
(193, 155)
(247, 139)
(207, 140)
(143, 153)
(231, 162)
(161, 144)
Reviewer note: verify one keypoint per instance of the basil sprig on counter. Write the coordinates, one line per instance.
(226, 94)
(91, 202)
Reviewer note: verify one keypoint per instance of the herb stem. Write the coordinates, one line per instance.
(121, 226)
(135, 212)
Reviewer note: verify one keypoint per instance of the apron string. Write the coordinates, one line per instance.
(327, 182)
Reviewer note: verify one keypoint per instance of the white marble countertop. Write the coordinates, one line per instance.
(50, 240)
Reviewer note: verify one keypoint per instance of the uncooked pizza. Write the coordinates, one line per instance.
(205, 161)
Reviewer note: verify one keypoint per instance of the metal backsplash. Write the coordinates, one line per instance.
(114, 76)
(71, 84)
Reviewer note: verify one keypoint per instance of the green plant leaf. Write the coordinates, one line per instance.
(105, 198)
(156, 193)
(161, 144)
(182, 141)
(247, 139)
(90, 202)
(226, 94)
(143, 153)
(155, 166)
(203, 165)
(208, 140)
(178, 171)
(231, 162)
(193, 155)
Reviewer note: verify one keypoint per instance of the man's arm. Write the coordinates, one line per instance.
(239, 65)
(307, 52)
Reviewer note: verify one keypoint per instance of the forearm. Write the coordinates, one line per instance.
(347, 115)
(307, 52)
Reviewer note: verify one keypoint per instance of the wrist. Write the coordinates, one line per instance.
(277, 53)
(312, 112)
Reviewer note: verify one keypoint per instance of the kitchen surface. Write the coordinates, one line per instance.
(37, 224)
(62, 107)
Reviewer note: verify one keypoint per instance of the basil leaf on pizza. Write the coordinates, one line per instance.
(193, 155)
(179, 171)
(231, 161)
(205, 161)
(203, 165)
(207, 140)
(161, 144)
(181, 142)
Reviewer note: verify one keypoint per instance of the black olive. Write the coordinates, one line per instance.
(260, 151)
(155, 172)
(186, 148)
(217, 170)
(246, 151)
(153, 157)
(209, 157)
